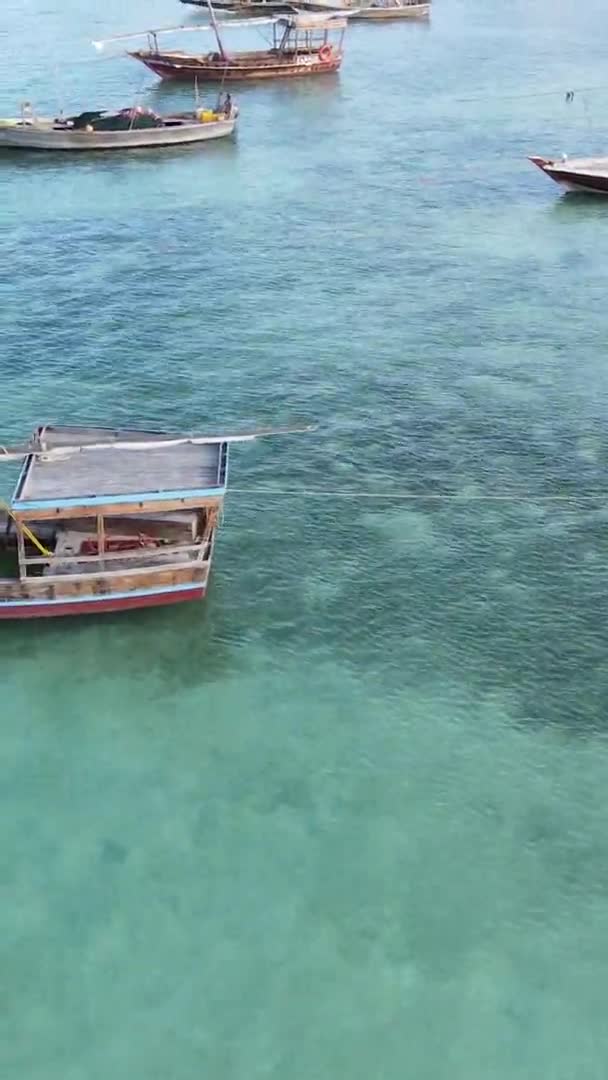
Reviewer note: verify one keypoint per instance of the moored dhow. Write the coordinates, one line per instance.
(576, 174)
(108, 520)
(302, 45)
(251, 8)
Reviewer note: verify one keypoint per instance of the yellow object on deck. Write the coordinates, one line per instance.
(29, 535)
(206, 115)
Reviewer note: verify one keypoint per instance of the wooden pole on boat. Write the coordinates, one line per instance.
(101, 539)
(37, 450)
(216, 30)
(21, 554)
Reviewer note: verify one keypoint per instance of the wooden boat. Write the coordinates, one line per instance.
(244, 8)
(327, 7)
(350, 9)
(576, 174)
(392, 9)
(302, 45)
(127, 129)
(111, 520)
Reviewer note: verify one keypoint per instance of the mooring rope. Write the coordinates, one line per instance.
(452, 496)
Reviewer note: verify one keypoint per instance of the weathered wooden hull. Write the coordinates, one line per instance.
(218, 72)
(104, 591)
(41, 609)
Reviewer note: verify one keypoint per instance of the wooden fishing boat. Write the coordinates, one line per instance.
(244, 8)
(106, 520)
(302, 45)
(327, 7)
(127, 129)
(392, 9)
(576, 174)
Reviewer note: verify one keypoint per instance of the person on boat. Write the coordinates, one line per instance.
(228, 105)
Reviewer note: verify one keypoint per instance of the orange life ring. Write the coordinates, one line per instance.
(325, 53)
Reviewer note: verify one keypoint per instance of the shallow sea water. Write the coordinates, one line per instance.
(348, 818)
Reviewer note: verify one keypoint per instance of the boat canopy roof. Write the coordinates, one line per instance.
(93, 465)
(66, 467)
(197, 29)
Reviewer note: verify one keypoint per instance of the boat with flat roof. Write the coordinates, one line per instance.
(302, 45)
(109, 520)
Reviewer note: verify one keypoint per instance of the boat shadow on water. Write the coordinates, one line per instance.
(188, 645)
(166, 94)
(576, 206)
(22, 158)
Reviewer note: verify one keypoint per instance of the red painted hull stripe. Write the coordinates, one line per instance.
(40, 610)
(113, 596)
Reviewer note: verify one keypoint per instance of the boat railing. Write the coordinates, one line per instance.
(148, 553)
(142, 572)
(102, 581)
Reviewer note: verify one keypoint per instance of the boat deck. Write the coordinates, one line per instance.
(597, 165)
(109, 472)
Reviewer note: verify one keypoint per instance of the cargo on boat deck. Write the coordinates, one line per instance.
(107, 520)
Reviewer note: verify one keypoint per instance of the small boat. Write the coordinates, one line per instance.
(328, 7)
(576, 174)
(302, 45)
(378, 9)
(392, 9)
(105, 520)
(126, 129)
(244, 8)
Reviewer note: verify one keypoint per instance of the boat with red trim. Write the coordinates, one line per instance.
(588, 175)
(301, 45)
(109, 520)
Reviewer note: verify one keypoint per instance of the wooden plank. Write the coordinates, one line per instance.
(21, 553)
(101, 536)
(138, 573)
(117, 510)
(101, 584)
(109, 556)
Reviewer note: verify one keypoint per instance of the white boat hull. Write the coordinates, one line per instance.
(42, 135)
(394, 11)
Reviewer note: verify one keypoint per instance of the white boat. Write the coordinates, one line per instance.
(392, 9)
(127, 129)
(576, 174)
(378, 9)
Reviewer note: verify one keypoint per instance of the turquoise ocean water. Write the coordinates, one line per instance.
(349, 817)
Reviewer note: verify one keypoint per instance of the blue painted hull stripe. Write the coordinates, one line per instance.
(116, 500)
(107, 596)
